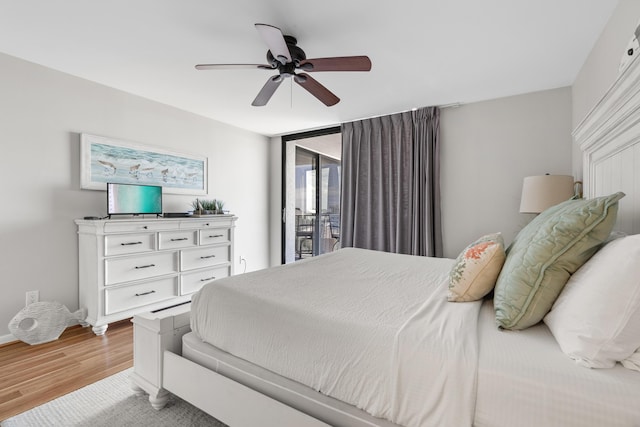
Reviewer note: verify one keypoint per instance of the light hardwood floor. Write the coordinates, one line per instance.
(33, 375)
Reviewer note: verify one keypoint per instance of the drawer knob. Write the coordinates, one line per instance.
(145, 227)
(208, 278)
(216, 235)
(146, 293)
(207, 256)
(144, 266)
(178, 239)
(131, 243)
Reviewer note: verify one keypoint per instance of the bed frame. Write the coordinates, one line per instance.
(160, 370)
(609, 138)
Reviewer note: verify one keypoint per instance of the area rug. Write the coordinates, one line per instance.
(111, 402)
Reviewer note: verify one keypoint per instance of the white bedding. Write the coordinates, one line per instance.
(525, 380)
(387, 341)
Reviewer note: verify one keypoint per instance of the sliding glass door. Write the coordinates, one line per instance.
(311, 194)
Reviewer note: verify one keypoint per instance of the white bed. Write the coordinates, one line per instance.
(523, 380)
(401, 355)
(308, 333)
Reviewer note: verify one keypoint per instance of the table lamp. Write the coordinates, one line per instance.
(543, 191)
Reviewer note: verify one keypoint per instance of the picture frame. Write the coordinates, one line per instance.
(104, 160)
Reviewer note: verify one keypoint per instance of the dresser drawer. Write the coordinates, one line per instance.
(192, 282)
(120, 270)
(205, 257)
(122, 244)
(177, 239)
(133, 296)
(219, 221)
(215, 235)
(141, 225)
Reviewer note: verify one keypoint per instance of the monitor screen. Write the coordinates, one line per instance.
(133, 199)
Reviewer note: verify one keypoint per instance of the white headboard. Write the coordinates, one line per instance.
(609, 138)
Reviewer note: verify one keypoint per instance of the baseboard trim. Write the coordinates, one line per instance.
(6, 339)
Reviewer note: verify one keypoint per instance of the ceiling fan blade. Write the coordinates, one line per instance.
(339, 63)
(316, 89)
(267, 91)
(232, 66)
(274, 39)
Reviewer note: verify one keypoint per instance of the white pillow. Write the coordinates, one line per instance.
(596, 318)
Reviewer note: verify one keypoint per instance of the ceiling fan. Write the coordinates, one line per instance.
(285, 56)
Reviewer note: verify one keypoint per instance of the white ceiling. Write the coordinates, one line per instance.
(424, 52)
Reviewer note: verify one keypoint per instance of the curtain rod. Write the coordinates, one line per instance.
(452, 105)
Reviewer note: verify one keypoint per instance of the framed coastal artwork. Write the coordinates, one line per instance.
(105, 160)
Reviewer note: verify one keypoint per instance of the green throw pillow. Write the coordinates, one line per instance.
(545, 253)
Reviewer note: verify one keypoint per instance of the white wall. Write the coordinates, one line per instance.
(487, 148)
(600, 70)
(42, 112)
(275, 207)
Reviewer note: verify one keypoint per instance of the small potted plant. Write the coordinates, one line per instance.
(197, 207)
(207, 207)
(219, 206)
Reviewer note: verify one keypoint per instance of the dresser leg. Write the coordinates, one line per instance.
(100, 330)
(159, 400)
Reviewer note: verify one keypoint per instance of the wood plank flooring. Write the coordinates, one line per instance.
(33, 375)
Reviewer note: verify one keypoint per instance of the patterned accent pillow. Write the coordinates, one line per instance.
(476, 269)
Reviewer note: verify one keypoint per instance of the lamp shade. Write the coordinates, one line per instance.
(543, 191)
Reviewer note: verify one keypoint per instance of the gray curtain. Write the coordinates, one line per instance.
(390, 198)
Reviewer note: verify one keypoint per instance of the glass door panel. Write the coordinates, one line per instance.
(329, 199)
(305, 204)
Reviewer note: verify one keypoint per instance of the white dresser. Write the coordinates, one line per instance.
(128, 266)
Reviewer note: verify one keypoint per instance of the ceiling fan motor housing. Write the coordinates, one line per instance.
(297, 55)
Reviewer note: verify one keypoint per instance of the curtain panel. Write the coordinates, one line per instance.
(390, 183)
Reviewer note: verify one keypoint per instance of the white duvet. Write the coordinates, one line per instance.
(369, 328)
